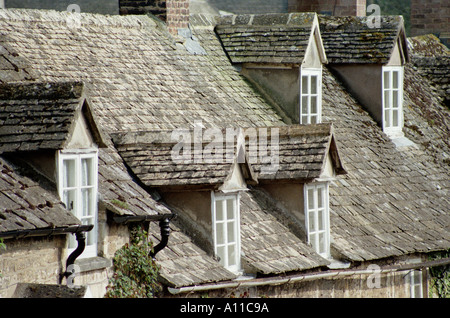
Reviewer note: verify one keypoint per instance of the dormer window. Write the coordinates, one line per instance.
(392, 100)
(77, 187)
(317, 217)
(311, 96)
(226, 230)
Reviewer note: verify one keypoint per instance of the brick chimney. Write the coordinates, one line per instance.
(174, 12)
(331, 7)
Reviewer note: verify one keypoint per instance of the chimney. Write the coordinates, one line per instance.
(330, 7)
(174, 12)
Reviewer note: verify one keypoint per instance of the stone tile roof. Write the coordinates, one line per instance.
(144, 74)
(28, 208)
(432, 60)
(13, 67)
(152, 156)
(38, 116)
(269, 247)
(392, 201)
(267, 38)
(138, 83)
(302, 153)
(353, 39)
(183, 263)
(119, 193)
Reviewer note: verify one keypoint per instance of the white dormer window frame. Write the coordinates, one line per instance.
(77, 180)
(416, 286)
(317, 217)
(311, 96)
(226, 229)
(392, 90)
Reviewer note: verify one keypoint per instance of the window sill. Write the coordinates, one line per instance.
(93, 263)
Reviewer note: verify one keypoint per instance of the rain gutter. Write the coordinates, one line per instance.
(273, 281)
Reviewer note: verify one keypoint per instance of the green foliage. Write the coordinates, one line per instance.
(440, 276)
(135, 273)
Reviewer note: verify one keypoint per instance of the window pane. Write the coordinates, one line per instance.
(314, 84)
(320, 198)
(387, 99)
(321, 243)
(386, 80)
(321, 224)
(230, 232)
(313, 104)
(221, 255)
(72, 241)
(395, 79)
(69, 199)
(231, 255)
(313, 241)
(230, 209)
(395, 118)
(312, 222)
(310, 199)
(314, 119)
(304, 119)
(417, 291)
(219, 210)
(304, 105)
(69, 173)
(86, 202)
(90, 236)
(387, 120)
(395, 99)
(220, 233)
(86, 172)
(305, 89)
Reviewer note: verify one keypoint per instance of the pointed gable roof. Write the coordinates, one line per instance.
(269, 38)
(159, 161)
(359, 40)
(302, 151)
(38, 116)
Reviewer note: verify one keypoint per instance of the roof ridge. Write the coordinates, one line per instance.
(269, 19)
(41, 90)
(54, 16)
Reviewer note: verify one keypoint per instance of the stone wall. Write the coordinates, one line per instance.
(431, 17)
(392, 285)
(251, 6)
(41, 260)
(331, 7)
(31, 260)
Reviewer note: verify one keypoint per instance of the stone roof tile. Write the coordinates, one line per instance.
(266, 38)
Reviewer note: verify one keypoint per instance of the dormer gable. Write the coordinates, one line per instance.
(274, 52)
(306, 153)
(369, 59)
(178, 161)
(46, 116)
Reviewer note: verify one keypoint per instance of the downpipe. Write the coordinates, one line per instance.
(81, 239)
(164, 225)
